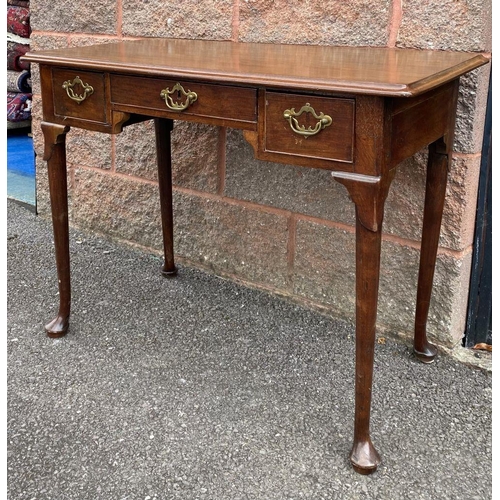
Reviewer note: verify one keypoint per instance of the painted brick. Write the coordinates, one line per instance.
(301, 190)
(194, 154)
(446, 25)
(210, 19)
(324, 271)
(333, 23)
(65, 16)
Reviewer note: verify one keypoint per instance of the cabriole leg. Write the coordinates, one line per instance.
(364, 457)
(55, 156)
(437, 174)
(369, 197)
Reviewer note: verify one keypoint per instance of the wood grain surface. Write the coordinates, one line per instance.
(363, 70)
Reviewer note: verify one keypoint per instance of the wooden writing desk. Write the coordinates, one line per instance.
(355, 111)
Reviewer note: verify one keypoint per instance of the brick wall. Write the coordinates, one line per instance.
(281, 228)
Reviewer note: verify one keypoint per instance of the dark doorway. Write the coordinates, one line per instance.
(479, 320)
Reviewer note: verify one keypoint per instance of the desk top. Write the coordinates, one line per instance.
(361, 70)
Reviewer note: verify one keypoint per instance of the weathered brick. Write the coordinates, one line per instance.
(446, 25)
(333, 23)
(194, 154)
(211, 19)
(324, 271)
(301, 190)
(64, 16)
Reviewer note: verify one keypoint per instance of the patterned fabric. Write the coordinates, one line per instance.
(14, 52)
(18, 21)
(18, 81)
(19, 3)
(18, 106)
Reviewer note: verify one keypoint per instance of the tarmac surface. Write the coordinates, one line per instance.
(198, 388)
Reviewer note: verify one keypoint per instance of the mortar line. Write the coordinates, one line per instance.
(395, 22)
(458, 254)
(119, 18)
(235, 22)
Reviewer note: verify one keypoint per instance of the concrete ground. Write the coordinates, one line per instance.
(197, 388)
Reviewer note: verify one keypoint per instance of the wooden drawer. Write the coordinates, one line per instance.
(293, 126)
(218, 102)
(79, 94)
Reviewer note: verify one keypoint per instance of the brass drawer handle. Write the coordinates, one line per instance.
(178, 89)
(291, 115)
(79, 98)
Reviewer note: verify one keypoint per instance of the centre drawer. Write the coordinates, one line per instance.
(309, 126)
(222, 103)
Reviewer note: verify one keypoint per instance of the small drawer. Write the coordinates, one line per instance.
(79, 94)
(219, 102)
(309, 126)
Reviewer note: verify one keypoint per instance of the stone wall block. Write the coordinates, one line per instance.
(119, 207)
(136, 151)
(85, 40)
(298, 189)
(42, 188)
(194, 154)
(459, 216)
(324, 271)
(471, 110)
(404, 207)
(89, 149)
(232, 239)
(210, 19)
(446, 25)
(334, 23)
(36, 120)
(43, 42)
(64, 16)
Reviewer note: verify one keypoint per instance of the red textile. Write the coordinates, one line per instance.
(19, 3)
(14, 52)
(18, 21)
(18, 106)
